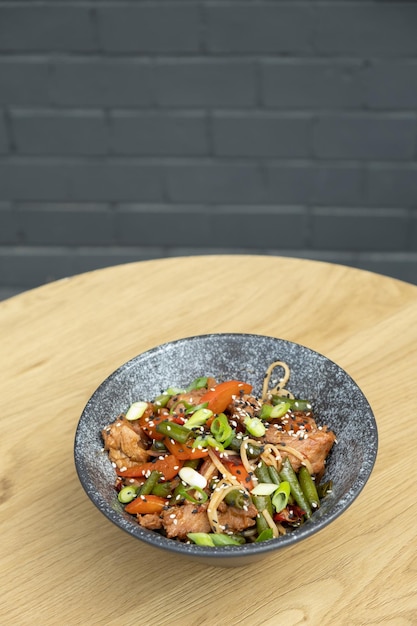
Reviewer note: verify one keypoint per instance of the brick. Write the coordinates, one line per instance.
(402, 266)
(102, 82)
(311, 183)
(33, 266)
(46, 28)
(392, 185)
(391, 84)
(159, 133)
(59, 132)
(365, 136)
(259, 227)
(4, 139)
(84, 181)
(9, 226)
(154, 28)
(358, 229)
(413, 233)
(261, 27)
(65, 225)
(215, 182)
(366, 29)
(206, 82)
(162, 225)
(28, 267)
(23, 81)
(261, 134)
(311, 83)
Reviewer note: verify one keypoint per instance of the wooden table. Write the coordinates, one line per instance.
(63, 563)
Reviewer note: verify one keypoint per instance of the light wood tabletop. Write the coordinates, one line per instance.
(63, 562)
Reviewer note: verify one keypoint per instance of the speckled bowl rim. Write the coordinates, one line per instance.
(88, 448)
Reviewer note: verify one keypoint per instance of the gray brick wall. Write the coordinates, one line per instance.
(138, 129)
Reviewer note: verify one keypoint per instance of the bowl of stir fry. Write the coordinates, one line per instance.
(226, 447)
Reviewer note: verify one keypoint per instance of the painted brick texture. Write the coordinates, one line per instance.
(135, 130)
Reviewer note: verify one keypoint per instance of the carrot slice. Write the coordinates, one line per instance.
(168, 466)
(221, 395)
(146, 504)
(240, 472)
(184, 451)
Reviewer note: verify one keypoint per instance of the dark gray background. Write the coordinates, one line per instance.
(134, 130)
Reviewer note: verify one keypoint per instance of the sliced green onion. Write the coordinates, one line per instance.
(201, 539)
(280, 409)
(174, 391)
(254, 426)
(265, 535)
(192, 408)
(264, 489)
(295, 403)
(221, 428)
(219, 539)
(198, 383)
(206, 441)
(136, 410)
(281, 496)
(127, 494)
(192, 477)
(199, 418)
(215, 539)
(183, 492)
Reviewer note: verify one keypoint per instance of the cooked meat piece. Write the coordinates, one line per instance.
(152, 521)
(300, 431)
(183, 519)
(124, 444)
(244, 405)
(190, 518)
(233, 519)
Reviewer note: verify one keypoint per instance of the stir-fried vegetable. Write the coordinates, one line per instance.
(212, 464)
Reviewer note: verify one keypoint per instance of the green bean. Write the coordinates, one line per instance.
(162, 489)
(273, 475)
(308, 487)
(251, 450)
(237, 498)
(149, 483)
(287, 473)
(173, 431)
(262, 473)
(262, 503)
(324, 488)
(162, 400)
(192, 463)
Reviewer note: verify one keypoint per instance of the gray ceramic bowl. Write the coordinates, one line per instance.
(336, 398)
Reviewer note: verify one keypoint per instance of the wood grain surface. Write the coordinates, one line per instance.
(63, 563)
